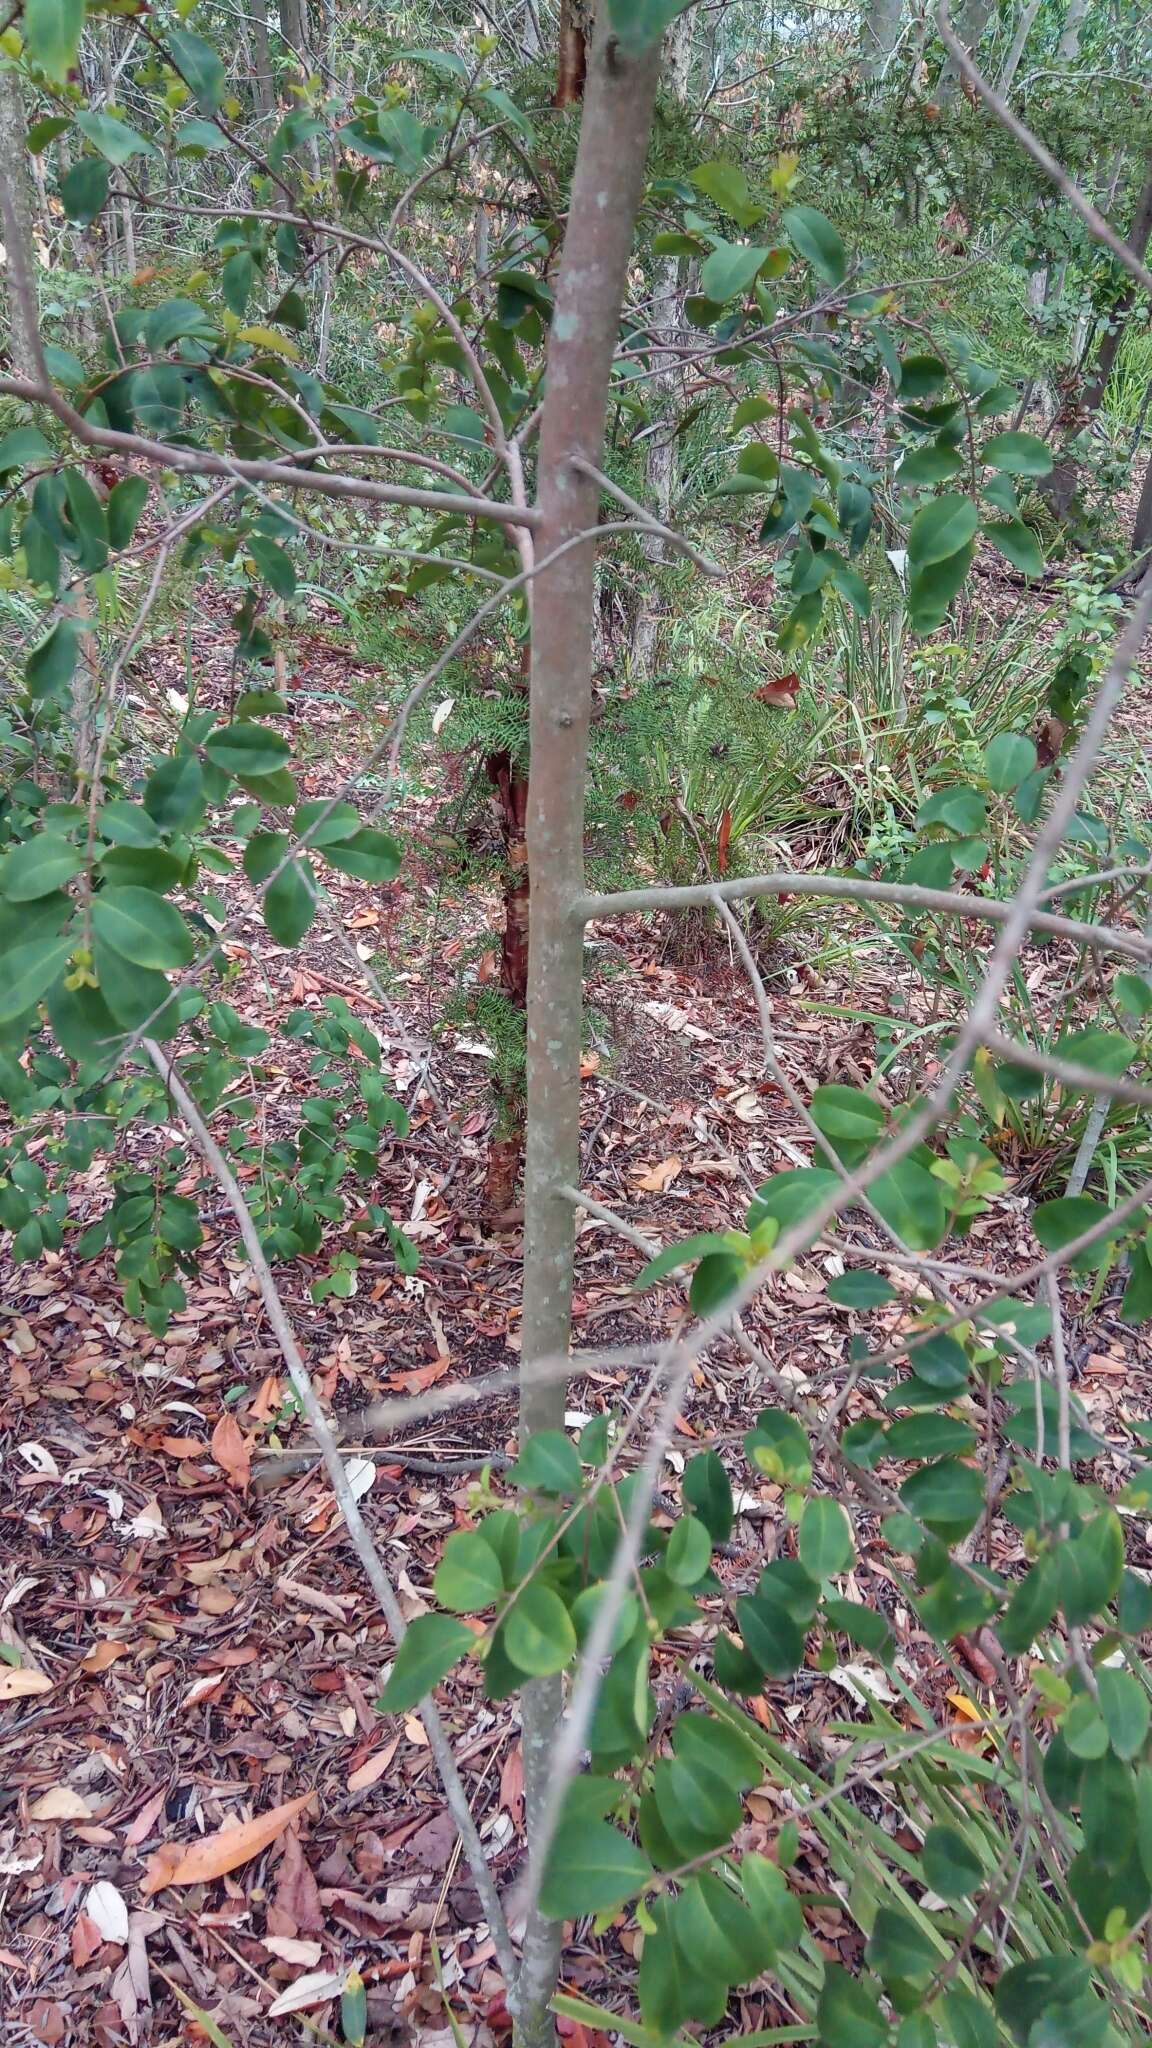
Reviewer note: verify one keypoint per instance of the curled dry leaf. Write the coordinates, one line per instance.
(315, 1989)
(18, 1683)
(217, 1854)
(60, 1803)
(373, 1767)
(231, 1452)
(100, 1656)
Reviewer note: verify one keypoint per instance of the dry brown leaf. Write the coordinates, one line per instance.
(100, 1656)
(18, 1683)
(373, 1767)
(217, 1854)
(60, 1803)
(139, 1829)
(231, 1452)
(660, 1176)
(304, 1953)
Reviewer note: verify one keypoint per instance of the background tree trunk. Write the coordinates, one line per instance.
(663, 446)
(1012, 60)
(970, 21)
(22, 344)
(879, 35)
(1138, 238)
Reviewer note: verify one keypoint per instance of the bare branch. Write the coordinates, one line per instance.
(654, 525)
(861, 889)
(358, 1531)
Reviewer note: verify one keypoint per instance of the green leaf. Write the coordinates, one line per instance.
(237, 277)
(1107, 1052)
(84, 189)
(289, 901)
(142, 928)
(431, 1645)
(791, 1196)
(863, 1624)
(370, 855)
(1025, 1992)
(200, 66)
(247, 749)
(28, 970)
(548, 1463)
(848, 2014)
(274, 564)
(779, 1448)
(707, 1744)
(715, 1279)
(1136, 1305)
(921, 375)
(698, 1810)
(689, 1552)
(825, 1542)
(591, 1868)
(1018, 454)
(775, 1908)
(728, 272)
(1125, 1707)
(1133, 994)
(947, 1497)
(1018, 544)
(1090, 1568)
(913, 1204)
(674, 1256)
(931, 1436)
(538, 1632)
(726, 184)
(860, 1290)
(941, 1362)
(638, 24)
(199, 137)
(772, 1638)
(23, 447)
(1057, 1223)
(951, 1866)
(1008, 760)
(814, 237)
(931, 465)
(933, 585)
(113, 138)
(1031, 1607)
(52, 32)
(126, 501)
(941, 529)
(842, 1112)
(468, 1576)
(960, 807)
(37, 867)
(900, 1951)
(707, 1490)
(174, 792)
(49, 668)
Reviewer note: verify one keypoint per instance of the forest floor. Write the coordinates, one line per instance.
(203, 1647)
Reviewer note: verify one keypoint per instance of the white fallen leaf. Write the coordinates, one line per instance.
(305, 1953)
(148, 1524)
(41, 1460)
(106, 1906)
(361, 1476)
(863, 1682)
(60, 1802)
(442, 713)
(899, 560)
(314, 1989)
(113, 1500)
(15, 1593)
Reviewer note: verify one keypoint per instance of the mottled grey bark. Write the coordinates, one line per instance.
(1023, 31)
(14, 171)
(605, 195)
(1068, 48)
(879, 35)
(263, 87)
(969, 21)
(1139, 235)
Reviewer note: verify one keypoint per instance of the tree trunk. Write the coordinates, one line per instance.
(663, 447)
(879, 35)
(1142, 530)
(1138, 238)
(605, 195)
(22, 343)
(263, 87)
(572, 51)
(509, 785)
(970, 24)
(1012, 60)
(1068, 48)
